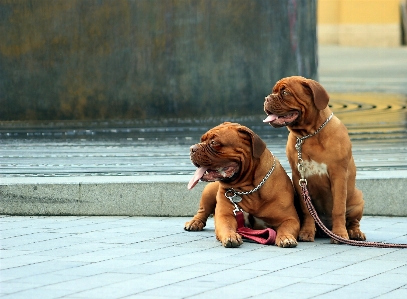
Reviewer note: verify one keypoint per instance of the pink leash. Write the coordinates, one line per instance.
(262, 236)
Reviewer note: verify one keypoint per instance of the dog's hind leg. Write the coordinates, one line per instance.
(353, 215)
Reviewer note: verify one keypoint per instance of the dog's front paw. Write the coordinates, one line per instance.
(356, 234)
(231, 241)
(286, 241)
(306, 235)
(340, 233)
(194, 225)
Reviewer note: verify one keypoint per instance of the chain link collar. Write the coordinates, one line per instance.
(298, 147)
(235, 196)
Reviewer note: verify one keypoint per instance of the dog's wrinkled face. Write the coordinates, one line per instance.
(292, 100)
(224, 152)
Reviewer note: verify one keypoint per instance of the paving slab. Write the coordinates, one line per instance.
(153, 257)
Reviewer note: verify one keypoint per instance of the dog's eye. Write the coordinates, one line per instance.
(214, 143)
(284, 93)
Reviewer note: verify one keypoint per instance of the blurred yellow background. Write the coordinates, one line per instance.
(363, 23)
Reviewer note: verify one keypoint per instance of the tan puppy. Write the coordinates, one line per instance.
(302, 105)
(235, 157)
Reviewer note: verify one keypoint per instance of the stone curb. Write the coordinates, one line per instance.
(160, 195)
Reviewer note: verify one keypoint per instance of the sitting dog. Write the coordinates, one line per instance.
(321, 140)
(231, 156)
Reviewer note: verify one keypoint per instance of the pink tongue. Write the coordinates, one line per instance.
(197, 176)
(270, 118)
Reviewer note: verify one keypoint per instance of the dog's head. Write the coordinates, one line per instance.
(224, 153)
(293, 101)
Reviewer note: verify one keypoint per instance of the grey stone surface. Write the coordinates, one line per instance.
(352, 69)
(153, 257)
(151, 198)
(384, 194)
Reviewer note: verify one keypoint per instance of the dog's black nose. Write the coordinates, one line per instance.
(193, 148)
(269, 98)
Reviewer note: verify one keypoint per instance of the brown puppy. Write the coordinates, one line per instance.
(302, 105)
(235, 157)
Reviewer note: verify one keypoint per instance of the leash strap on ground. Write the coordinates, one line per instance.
(311, 209)
(262, 236)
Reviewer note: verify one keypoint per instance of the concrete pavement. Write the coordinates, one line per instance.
(350, 69)
(153, 257)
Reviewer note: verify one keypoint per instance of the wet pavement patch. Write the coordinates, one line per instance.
(377, 125)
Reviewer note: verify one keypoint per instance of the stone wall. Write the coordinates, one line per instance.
(135, 59)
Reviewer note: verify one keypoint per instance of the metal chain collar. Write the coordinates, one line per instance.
(298, 147)
(234, 196)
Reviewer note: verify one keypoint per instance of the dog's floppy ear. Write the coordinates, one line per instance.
(321, 97)
(258, 145)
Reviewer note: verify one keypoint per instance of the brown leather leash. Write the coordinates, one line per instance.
(311, 209)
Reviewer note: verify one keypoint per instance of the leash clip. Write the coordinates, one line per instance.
(300, 167)
(234, 198)
(236, 210)
(303, 181)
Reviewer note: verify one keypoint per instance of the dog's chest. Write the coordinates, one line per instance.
(314, 168)
(254, 222)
